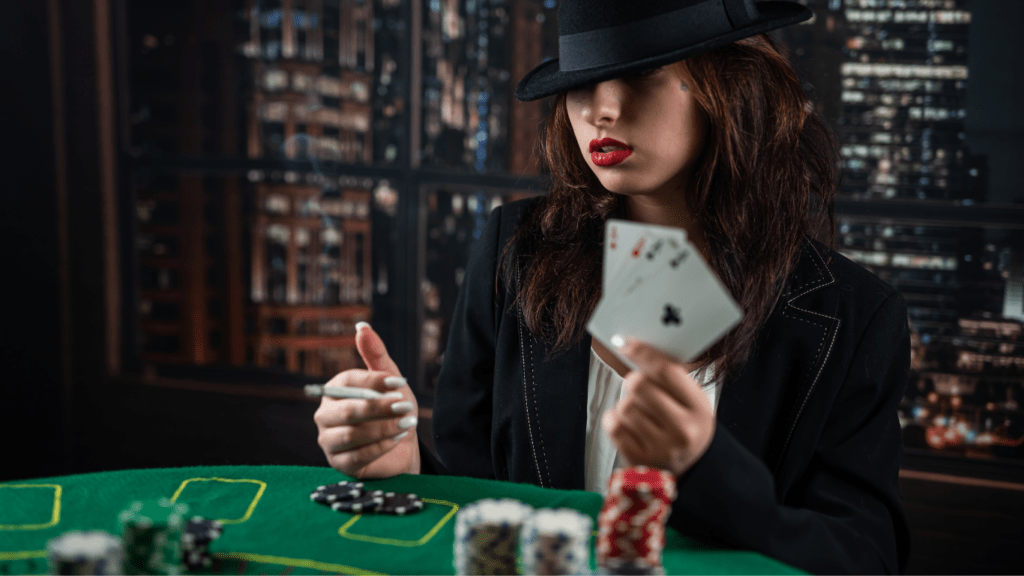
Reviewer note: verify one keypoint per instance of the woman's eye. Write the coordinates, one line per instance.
(645, 73)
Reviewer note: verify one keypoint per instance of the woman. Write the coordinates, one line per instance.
(783, 436)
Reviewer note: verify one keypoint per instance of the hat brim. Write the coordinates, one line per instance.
(548, 79)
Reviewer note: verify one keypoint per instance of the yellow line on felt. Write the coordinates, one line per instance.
(344, 533)
(23, 555)
(298, 563)
(252, 505)
(54, 517)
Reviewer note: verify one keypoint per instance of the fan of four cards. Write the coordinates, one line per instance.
(658, 289)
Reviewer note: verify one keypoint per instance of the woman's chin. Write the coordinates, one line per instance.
(624, 190)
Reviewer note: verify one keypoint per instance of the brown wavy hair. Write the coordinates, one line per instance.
(765, 179)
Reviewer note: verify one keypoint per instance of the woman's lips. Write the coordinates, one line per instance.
(614, 151)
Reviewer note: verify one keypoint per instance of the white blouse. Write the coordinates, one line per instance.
(604, 389)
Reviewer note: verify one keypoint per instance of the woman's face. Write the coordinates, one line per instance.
(641, 134)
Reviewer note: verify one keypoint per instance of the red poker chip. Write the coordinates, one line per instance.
(631, 524)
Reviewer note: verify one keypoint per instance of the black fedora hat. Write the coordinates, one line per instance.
(603, 39)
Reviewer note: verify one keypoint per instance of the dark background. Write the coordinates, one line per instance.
(995, 115)
(61, 413)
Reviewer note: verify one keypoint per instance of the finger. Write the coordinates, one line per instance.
(376, 381)
(347, 412)
(339, 439)
(636, 390)
(373, 352)
(629, 445)
(648, 422)
(652, 402)
(356, 378)
(361, 457)
(664, 370)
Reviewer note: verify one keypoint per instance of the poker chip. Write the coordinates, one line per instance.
(365, 503)
(556, 541)
(631, 568)
(340, 491)
(400, 504)
(89, 552)
(195, 542)
(353, 497)
(631, 524)
(151, 532)
(487, 536)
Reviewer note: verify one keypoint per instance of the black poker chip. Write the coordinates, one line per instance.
(400, 504)
(366, 503)
(202, 531)
(196, 560)
(195, 539)
(339, 492)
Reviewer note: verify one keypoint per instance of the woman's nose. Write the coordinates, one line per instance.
(605, 104)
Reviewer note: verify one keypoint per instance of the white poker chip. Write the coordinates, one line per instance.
(556, 541)
(487, 536)
(85, 552)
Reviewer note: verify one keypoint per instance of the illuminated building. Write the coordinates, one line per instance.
(904, 87)
(473, 54)
(311, 250)
(308, 120)
(293, 78)
(891, 77)
(186, 237)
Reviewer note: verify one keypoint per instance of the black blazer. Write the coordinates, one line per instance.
(805, 459)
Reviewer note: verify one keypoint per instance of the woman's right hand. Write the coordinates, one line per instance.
(370, 438)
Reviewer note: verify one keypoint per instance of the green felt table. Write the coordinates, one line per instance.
(272, 527)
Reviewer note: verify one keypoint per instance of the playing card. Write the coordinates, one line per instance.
(681, 309)
(650, 261)
(625, 242)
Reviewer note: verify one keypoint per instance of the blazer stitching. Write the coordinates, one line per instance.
(814, 382)
(810, 312)
(813, 287)
(540, 436)
(526, 393)
(810, 390)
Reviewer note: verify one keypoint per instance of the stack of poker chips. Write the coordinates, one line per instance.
(92, 552)
(353, 497)
(487, 536)
(556, 541)
(195, 542)
(151, 531)
(631, 525)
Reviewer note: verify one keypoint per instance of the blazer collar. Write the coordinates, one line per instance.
(761, 403)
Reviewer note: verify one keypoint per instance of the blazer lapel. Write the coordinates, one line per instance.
(768, 393)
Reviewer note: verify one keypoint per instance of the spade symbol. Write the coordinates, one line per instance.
(679, 259)
(654, 250)
(671, 316)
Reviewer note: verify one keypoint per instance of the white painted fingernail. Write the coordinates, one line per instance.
(400, 436)
(618, 341)
(395, 381)
(361, 325)
(393, 396)
(401, 407)
(407, 422)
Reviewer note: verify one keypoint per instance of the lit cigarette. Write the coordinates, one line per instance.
(317, 390)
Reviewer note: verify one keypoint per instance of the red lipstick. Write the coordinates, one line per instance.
(615, 152)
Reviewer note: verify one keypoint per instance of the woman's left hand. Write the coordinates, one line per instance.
(664, 419)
